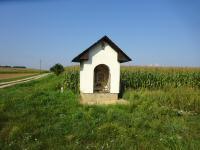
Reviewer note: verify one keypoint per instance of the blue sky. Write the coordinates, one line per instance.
(163, 32)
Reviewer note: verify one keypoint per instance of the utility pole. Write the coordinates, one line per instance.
(40, 65)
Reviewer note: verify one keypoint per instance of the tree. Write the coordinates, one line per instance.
(57, 69)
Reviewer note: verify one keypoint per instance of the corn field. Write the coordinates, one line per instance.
(71, 80)
(145, 77)
(159, 77)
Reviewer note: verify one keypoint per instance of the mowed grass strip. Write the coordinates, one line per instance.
(36, 115)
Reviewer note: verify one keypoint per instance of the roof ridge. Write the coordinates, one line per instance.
(122, 57)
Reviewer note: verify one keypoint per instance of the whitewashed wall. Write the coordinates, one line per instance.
(98, 56)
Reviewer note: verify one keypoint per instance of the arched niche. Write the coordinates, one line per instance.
(101, 79)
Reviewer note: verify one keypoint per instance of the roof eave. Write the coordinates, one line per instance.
(111, 43)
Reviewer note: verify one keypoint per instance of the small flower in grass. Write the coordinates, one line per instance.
(180, 112)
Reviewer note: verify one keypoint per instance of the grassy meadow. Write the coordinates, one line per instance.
(36, 115)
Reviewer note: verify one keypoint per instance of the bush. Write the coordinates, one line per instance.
(57, 69)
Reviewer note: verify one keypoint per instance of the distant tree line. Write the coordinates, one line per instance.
(12, 66)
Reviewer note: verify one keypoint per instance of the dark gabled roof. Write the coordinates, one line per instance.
(122, 57)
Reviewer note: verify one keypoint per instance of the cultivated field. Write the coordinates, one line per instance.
(164, 113)
(18, 70)
(10, 74)
(13, 75)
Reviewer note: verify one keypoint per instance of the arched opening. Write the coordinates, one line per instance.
(101, 79)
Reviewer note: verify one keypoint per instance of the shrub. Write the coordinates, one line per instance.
(57, 69)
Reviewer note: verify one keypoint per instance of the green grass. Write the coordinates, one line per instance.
(36, 115)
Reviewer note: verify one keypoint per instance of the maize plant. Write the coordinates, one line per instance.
(158, 77)
(71, 80)
(145, 77)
